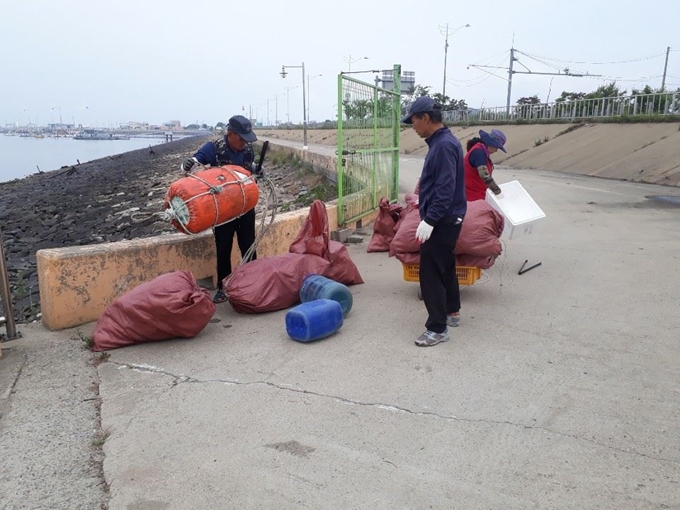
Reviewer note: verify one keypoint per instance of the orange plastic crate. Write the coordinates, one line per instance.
(466, 275)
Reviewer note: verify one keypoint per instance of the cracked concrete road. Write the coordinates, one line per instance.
(560, 389)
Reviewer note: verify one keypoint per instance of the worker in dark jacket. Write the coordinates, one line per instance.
(232, 149)
(442, 207)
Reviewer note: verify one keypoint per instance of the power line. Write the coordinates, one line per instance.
(484, 77)
(650, 57)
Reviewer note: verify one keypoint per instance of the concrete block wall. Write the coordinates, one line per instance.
(78, 283)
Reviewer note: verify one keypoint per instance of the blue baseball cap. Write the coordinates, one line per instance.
(242, 127)
(423, 104)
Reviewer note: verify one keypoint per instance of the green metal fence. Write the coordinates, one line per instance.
(368, 145)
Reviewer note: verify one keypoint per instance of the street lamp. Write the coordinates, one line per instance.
(447, 33)
(351, 61)
(288, 89)
(276, 114)
(304, 101)
(309, 95)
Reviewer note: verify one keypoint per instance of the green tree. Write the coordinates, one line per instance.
(570, 96)
(654, 101)
(529, 100)
(413, 94)
(358, 109)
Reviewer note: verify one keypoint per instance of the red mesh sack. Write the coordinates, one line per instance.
(383, 226)
(313, 238)
(314, 235)
(266, 285)
(405, 239)
(170, 306)
(482, 227)
(341, 269)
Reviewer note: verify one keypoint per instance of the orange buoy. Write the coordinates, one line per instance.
(210, 197)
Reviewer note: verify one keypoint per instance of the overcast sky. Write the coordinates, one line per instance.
(102, 63)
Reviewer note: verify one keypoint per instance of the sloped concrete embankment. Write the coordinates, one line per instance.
(648, 153)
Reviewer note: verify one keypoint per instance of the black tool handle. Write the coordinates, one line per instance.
(522, 271)
(263, 152)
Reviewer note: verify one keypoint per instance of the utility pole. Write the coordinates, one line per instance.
(512, 60)
(665, 68)
(446, 34)
(512, 71)
(446, 52)
(304, 101)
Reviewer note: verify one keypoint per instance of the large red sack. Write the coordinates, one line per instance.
(482, 227)
(266, 285)
(383, 226)
(170, 306)
(405, 238)
(342, 268)
(478, 244)
(313, 238)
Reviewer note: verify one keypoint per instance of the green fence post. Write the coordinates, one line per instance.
(341, 214)
(396, 127)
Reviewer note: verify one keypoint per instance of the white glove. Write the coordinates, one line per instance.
(424, 231)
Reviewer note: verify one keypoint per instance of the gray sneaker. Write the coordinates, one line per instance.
(430, 338)
(453, 320)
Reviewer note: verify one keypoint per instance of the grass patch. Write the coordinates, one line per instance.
(571, 128)
(88, 341)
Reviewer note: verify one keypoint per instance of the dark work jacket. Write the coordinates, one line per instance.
(441, 192)
(218, 153)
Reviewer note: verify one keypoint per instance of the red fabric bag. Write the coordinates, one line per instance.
(383, 226)
(266, 285)
(478, 244)
(482, 227)
(170, 306)
(314, 238)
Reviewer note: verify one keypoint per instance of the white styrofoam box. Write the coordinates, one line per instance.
(522, 214)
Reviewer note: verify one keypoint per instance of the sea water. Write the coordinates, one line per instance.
(23, 156)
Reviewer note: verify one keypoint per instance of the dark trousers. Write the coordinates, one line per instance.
(244, 228)
(438, 280)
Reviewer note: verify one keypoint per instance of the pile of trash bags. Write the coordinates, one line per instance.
(479, 243)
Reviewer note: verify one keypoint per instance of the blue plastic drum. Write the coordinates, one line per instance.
(316, 287)
(314, 320)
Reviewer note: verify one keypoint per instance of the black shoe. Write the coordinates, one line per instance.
(220, 297)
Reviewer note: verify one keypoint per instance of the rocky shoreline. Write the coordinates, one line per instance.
(101, 201)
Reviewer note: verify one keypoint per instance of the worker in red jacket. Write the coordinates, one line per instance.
(478, 164)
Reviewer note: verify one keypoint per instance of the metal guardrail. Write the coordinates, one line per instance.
(666, 103)
(6, 297)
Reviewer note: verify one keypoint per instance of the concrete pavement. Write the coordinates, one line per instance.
(561, 388)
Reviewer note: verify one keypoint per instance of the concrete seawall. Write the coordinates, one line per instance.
(78, 283)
